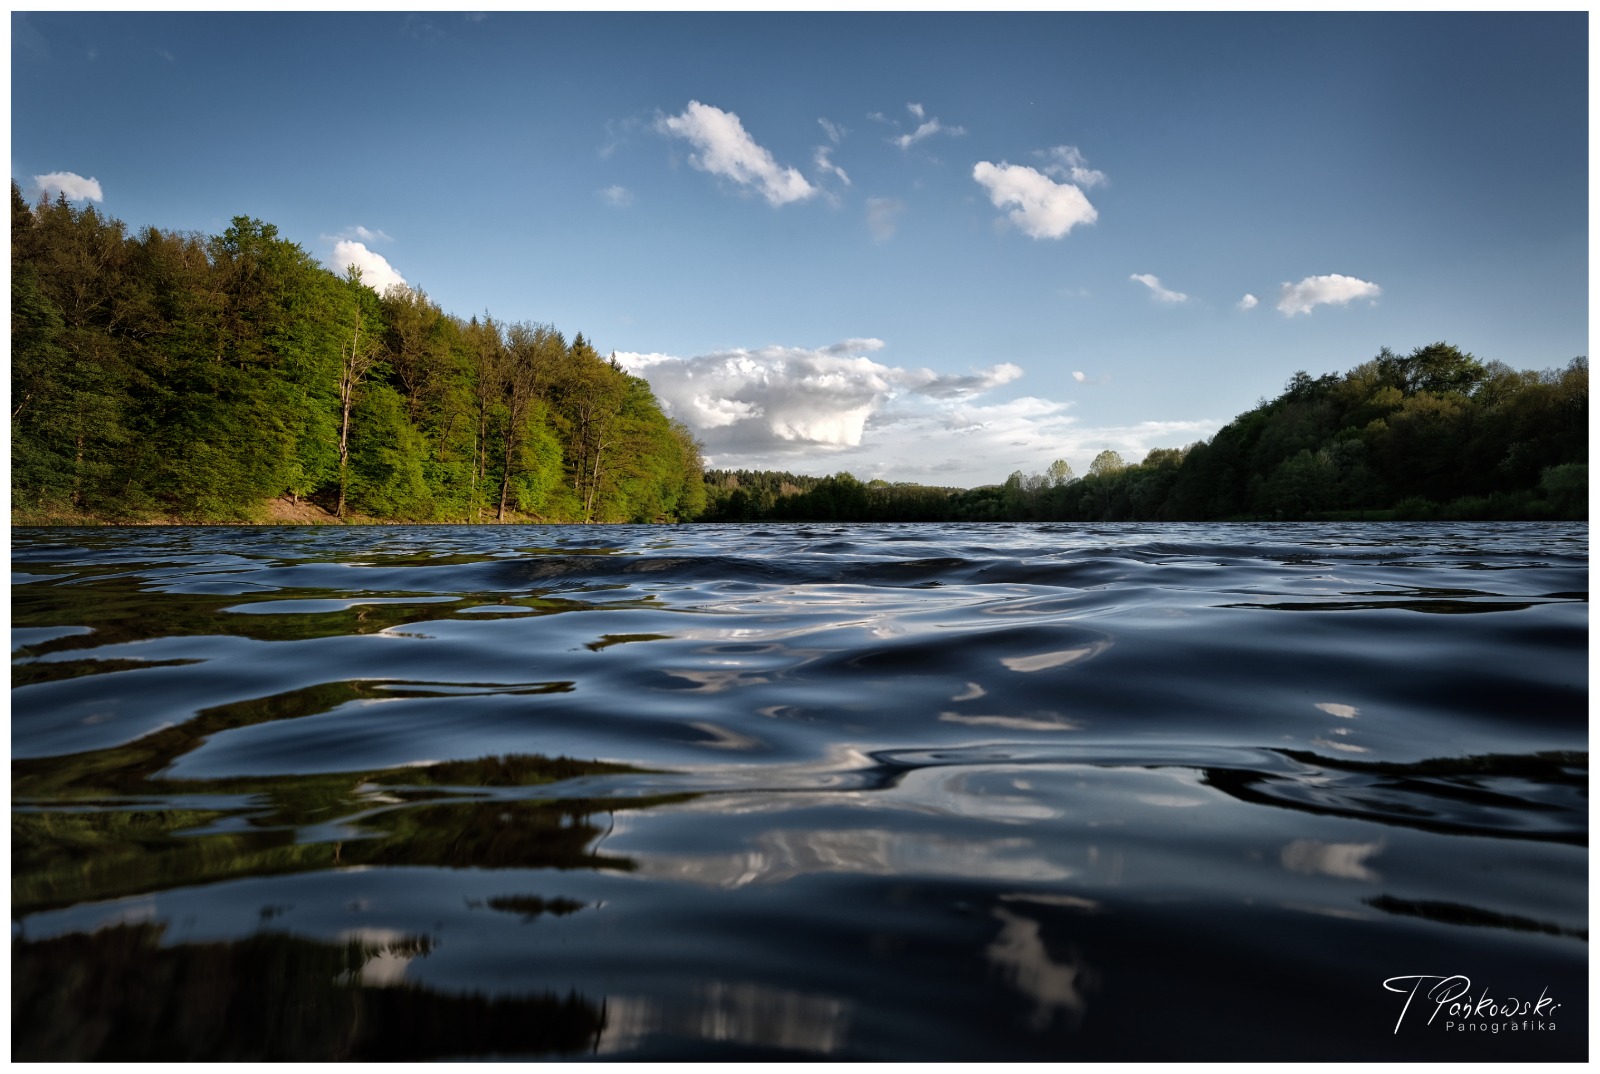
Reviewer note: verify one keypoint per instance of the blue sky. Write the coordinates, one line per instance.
(930, 247)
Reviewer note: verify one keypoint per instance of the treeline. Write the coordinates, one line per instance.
(198, 378)
(1432, 434)
(757, 495)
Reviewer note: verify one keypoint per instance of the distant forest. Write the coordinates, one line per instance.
(168, 376)
(180, 377)
(1432, 434)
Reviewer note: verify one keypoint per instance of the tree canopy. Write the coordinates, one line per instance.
(198, 378)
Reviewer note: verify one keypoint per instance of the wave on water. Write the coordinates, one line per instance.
(748, 792)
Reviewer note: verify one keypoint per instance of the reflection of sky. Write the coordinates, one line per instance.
(1020, 954)
(737, 1013)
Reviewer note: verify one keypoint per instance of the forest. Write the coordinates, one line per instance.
(1432, 434)
(177, 377)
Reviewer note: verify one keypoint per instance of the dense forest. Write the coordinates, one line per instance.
(1432, 434)
(168, 376)
(180, 377)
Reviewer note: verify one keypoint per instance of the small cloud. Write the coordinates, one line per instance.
(419, 27)
(882, 214)
(834, 132)
(1044, 209)
(826, 166)
(1066, 162)
(376, 272)
(1249, 302)
(367, 235)
(618, 197)
(1079, 377)
(952, 386)
(24, 33)
(1334, 290)
(165, 55)
(926, 127)
(727, 150)
(1161, 293)
(475, 16)
(74, 186)
(927, 130)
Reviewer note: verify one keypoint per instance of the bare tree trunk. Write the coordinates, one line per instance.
(505, 481)
(355, 367)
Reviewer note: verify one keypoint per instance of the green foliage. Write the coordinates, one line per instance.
(199, 378)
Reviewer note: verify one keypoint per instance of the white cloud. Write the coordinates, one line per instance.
(952, 386)
(826, 166)
(376, 272)
(73, 185)
(926, 128)
(1044, 209)
(1331, 290)
(882, 214)
(1066, 162)
(786, 400)
(822, 410)
(989, 441)
(1249, 302)
(1161, 293)
(1080, 377)
(834, 132)
(360, 234)
(618, 197)
(726, 149)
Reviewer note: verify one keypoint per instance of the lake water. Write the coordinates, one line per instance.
(849, 792)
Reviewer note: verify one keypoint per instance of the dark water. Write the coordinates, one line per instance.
(897, 792)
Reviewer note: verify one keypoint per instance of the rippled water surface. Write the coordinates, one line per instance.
(856, 792)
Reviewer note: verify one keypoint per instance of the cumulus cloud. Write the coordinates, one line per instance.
(882, 213)
(1249, 302)
(618, 197)
(1161, 294)
(787, 400)
(1066, 162)
(1333, 290)
(840, 408)
(915, 109)
(376, 272)
(834, 132)
(726, 149)
(1079, 376)
(71, 184)
(1044, 209)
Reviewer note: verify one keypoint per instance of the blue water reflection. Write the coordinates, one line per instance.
(897, 792)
